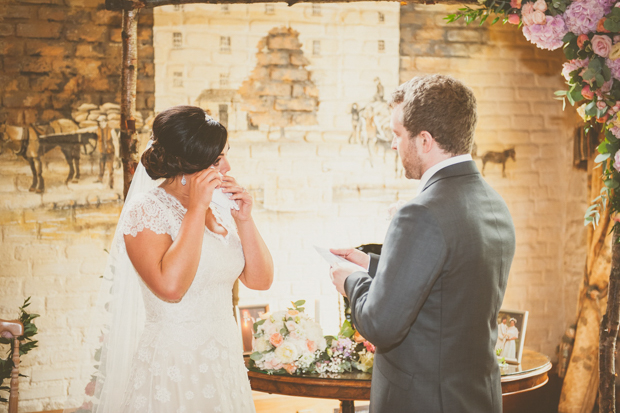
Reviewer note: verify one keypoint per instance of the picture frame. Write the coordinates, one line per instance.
(512, 327)
(247, 315)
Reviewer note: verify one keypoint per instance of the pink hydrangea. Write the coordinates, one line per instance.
(617, 155)
(614, 66)
(582, 16)
(607, 5)
(573, 65)
(547, 36)
(616, 131)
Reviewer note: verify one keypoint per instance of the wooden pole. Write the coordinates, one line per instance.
(609, 334)
(129, 79)
(14, 386)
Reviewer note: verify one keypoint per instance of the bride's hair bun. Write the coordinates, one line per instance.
(185, 140)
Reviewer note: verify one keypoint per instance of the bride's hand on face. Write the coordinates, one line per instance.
(201, 187)
(239, 194)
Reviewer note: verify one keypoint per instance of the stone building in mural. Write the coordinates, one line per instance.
(315, 186)
(279, 92)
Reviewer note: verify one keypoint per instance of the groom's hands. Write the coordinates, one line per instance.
(355, 256)
(340, 272)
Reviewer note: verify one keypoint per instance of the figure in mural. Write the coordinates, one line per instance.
(279, 92)
(499, 158)
(105, 143)
(372, 124)
(355, 121)
(380, 91)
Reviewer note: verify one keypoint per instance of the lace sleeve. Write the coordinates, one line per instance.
(145, 212)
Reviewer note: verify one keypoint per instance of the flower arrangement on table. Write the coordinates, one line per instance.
(589, 31)
(290, 342)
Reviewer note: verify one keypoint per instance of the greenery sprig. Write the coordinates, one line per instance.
(26, 344)
(469, 15)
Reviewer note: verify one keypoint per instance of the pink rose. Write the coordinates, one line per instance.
(276, 339)
(513, 19)
(587, 93)
(526, 14)
(601, 45)
(311, 346)
(539, 17)
(581, 40)
(515, 4)
(617, 161)
(601, 105)
(540, 5)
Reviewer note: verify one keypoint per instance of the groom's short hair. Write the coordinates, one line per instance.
(441, 106)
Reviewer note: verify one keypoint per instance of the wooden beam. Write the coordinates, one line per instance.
(138, 4)
(129, 79)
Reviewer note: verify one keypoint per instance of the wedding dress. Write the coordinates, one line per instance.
(190, 355)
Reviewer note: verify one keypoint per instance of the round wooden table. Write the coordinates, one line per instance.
(347, 387)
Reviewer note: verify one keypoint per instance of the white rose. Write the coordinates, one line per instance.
(287, 353)
(262, 345)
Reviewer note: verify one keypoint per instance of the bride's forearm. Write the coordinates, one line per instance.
(180, 263)
(258, 271)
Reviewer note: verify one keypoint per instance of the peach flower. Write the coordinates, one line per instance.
(587, 93)
(276, 339)
(539, 17)
(603, 119)
(293, 312)
(600, 26)
(581, 40)
(513, 19)
(526, 14)
(290, 368)
(515, 4)
(540, 5)
(311, 346)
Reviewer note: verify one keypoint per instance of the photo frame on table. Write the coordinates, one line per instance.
(247, 316)
(511, 329)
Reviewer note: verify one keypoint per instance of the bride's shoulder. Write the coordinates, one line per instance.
(144, 210)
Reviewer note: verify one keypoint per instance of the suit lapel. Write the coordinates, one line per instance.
(459, 169)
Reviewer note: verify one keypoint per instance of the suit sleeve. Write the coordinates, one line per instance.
(384, 307)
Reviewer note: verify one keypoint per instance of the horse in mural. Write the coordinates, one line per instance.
(498, 158)
(34, 141)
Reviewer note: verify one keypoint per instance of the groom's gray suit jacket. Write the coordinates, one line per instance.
(430, 301)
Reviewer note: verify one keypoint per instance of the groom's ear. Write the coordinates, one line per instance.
(427, 141)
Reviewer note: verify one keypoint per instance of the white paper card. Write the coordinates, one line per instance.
(334, 259)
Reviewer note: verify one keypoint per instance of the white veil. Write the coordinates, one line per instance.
(116, 324)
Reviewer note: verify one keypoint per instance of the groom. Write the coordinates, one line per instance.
(430, 301)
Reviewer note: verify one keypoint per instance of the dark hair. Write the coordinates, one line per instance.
(185, 141)
(441, 106)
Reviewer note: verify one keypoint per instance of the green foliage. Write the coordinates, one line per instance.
(489, 7)
(346, 330)
(26, 345)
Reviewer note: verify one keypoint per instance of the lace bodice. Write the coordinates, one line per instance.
(221, 260)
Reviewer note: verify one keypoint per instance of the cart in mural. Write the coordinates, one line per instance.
(34, 141)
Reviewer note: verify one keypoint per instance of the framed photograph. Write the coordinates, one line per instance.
(247, 316)
(511, 328)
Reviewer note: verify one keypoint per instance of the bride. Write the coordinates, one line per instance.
(183, 247)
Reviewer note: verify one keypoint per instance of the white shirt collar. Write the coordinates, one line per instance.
(438, 166)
